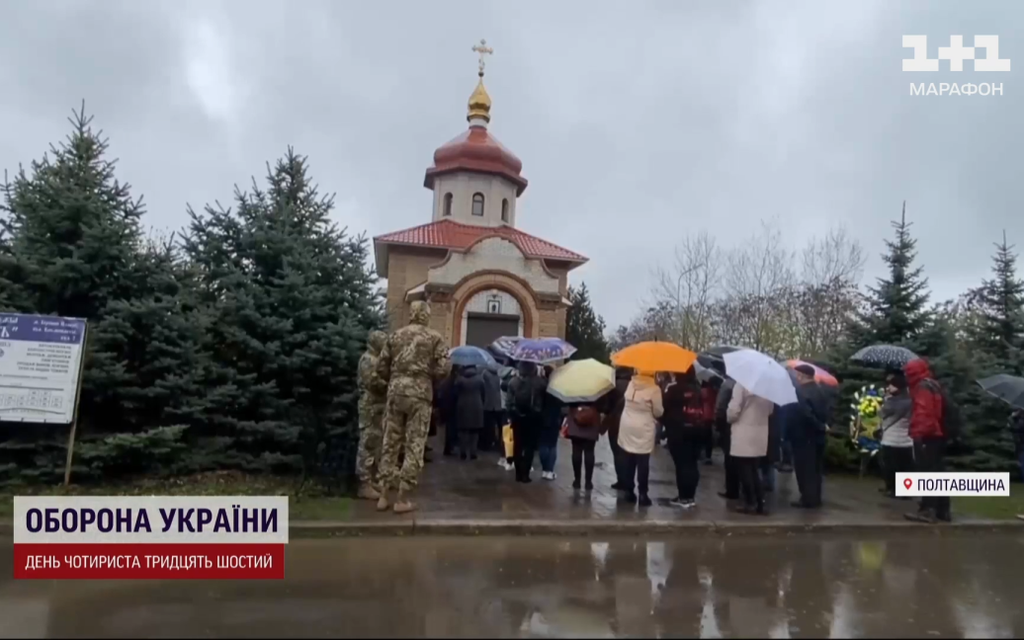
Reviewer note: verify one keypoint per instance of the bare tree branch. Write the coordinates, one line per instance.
(688, 287)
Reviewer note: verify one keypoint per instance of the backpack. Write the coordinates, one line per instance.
(525, 399)
(951, 421)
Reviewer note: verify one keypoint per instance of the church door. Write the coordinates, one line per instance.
(484, 328)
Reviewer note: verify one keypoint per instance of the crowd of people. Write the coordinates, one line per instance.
(409, 391)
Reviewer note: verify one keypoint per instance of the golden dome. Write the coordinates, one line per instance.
(479, 103)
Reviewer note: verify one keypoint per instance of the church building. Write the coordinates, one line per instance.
(483, 277)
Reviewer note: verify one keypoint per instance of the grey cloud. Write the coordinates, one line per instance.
(637, 123)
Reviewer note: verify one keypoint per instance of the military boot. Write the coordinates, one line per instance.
(403, 504)
(382, 502)
(367, 492)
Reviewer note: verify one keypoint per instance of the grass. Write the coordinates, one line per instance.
(985, 507)
(992, 508)
(311, 504)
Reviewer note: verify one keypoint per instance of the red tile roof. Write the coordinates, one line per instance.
(448, 234)
(476, 150)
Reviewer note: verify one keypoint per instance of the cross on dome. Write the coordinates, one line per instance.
(480, 102)
(483, 50)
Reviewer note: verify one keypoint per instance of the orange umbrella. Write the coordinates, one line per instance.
(820, 375)
(655, 356)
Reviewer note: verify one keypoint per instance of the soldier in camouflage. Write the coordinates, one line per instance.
(413, 358)
(373, 392)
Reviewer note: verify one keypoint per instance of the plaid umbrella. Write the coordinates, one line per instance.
(884, 355)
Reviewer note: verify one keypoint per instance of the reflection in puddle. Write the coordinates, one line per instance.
(950, 586)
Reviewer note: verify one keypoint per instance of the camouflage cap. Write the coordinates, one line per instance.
(376, 340)
(419, 313)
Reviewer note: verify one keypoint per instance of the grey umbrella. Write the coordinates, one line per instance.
(1009, 389)
(705, 373)
(712, 356)
(884, 355)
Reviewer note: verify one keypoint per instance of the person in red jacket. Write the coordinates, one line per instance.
(926, 418)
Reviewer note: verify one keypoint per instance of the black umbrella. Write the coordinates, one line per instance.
(884, 355)
(711, 357)
(1009, 389)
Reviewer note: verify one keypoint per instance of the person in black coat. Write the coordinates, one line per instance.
(807, 429)
(470, 395)
(732, 478)
(684, 426)
(446, 411)
(492, 410)
(612, 405)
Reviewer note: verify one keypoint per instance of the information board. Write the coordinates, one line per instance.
(40, 367)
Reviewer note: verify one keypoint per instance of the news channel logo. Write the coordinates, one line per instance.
(955, 54)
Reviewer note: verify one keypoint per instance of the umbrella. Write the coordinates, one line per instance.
(704, 373)
(581, 381)
(542, 350)
(820, 375)
(712, 356)
(469, 356)
(884, 355)
(1009, 389)
(655, 356)
(761, 375)
(504, 346)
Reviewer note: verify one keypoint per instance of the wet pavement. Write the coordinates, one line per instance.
(821, 586)
(454, 490)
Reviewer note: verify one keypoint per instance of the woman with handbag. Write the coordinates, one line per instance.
(583, 429)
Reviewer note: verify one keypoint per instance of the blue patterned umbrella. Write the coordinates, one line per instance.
(884, 355)
(542, 350)
(469, 356)
(504, 346)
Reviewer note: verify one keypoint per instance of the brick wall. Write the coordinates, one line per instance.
(407, 268)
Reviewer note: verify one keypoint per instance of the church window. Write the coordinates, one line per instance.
(504, 210)
(478, 204)
(447, 204)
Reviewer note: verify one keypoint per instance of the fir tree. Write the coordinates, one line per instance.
(1000, 303)
(995, 340)
(895, 313)
(898, 305)
(584, 329)
(291, 300)
(76, 248)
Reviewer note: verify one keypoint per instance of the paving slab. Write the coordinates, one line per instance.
(477, 497)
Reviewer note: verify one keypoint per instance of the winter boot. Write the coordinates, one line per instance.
(367, 492)
(403, 504)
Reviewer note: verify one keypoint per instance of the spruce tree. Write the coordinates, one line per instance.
(898, 304)
(76, 248)
(1000, 303)
(895, 312)
(291, 299)
(997, 336)
(584, 329)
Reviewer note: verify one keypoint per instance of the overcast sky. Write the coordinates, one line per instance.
(637, 122)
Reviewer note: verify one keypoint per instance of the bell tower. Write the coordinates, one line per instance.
(475, 179)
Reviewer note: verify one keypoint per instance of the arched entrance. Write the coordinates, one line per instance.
(489, 315)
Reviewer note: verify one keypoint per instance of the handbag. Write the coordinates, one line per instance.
(564, 430)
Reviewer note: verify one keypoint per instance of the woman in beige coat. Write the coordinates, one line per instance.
(748, 417)
(637, 430)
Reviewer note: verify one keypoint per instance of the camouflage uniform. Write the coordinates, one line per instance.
(372, 397)
(412, 359)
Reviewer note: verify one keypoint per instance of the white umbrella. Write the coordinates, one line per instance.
(761, 375)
